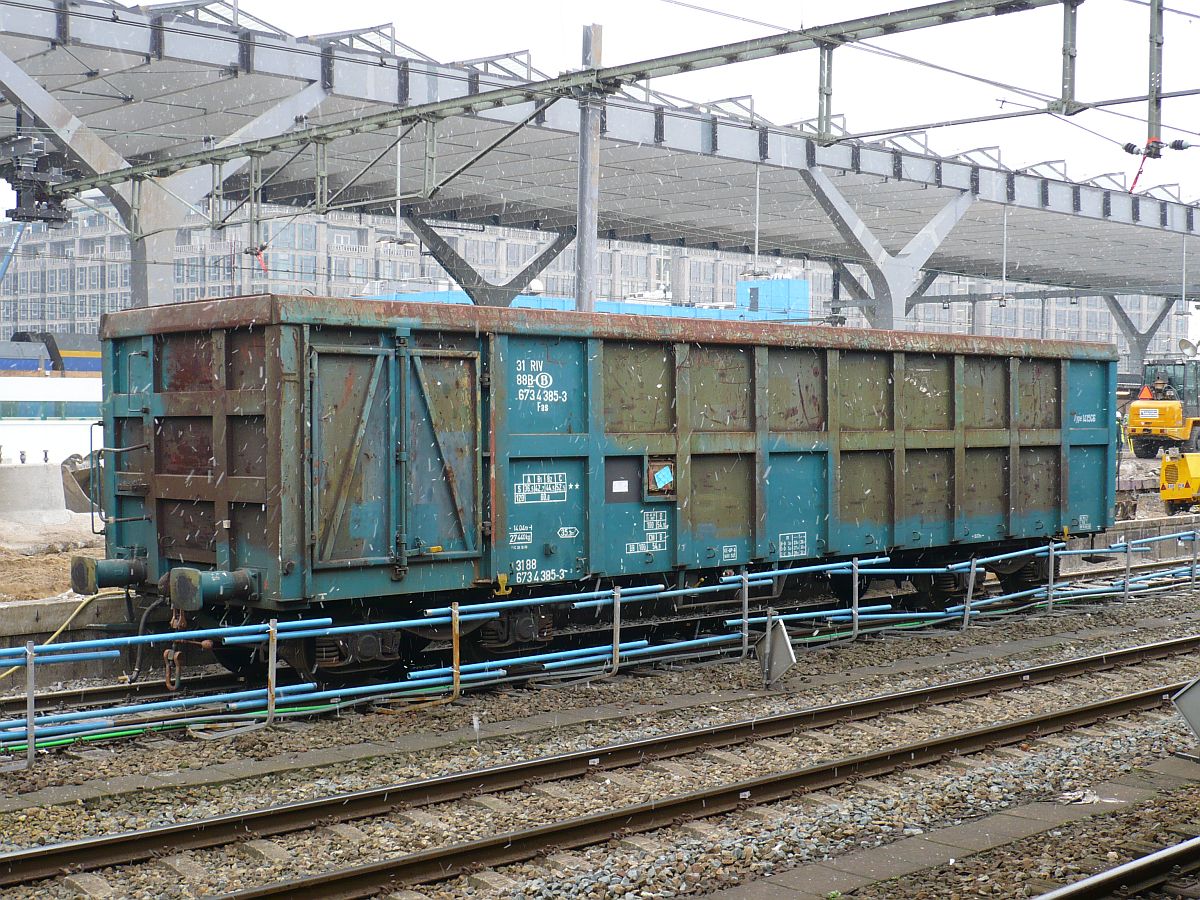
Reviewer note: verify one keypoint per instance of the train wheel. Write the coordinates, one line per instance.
(1028, 575)
(934, 592)
(842, 587)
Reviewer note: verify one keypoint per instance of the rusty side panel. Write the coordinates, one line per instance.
(722, 497)
(866, 391)
(796, 390)
(444, 450)
(928, 497)
(985, 498)
(927, 398)
(246, 443)
(639, 388)
(865, 487)
(1038, 471)
(722, 380)
(985, 392)
(184, 445)
(184, 362)
(1038, 394)
(187, 526)
(246, 359)
(352, 452)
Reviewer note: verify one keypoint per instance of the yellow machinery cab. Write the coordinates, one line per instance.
(1179, 481)
(1166, 413)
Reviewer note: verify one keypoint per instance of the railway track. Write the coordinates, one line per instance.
(31, 865)
(442, 863)
(1153, 872)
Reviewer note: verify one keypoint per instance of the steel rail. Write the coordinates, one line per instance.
(1135, 876)
(441, 863)
(24, 866)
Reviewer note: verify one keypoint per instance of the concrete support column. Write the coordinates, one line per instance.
(681, 277)
(893, 277)
(153, 218)
(587, 225)
(1138, 341)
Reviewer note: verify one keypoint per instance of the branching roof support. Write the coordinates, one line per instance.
(892, 277)
(481, 291)
(1138, 341)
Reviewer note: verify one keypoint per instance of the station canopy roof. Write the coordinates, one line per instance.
(156, 82)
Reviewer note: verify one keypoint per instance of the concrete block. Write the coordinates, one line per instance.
(729, 758)
(88, 885)
(766, 815)
(553, 792)
(267, 851)
(491, 804)
(491, 880)
(640, 844)
(616, 780)
(704, 831)
(564, 862)
(345, 832)
(185, 867)
(423, 819)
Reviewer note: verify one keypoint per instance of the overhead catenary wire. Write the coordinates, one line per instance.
(867, 47)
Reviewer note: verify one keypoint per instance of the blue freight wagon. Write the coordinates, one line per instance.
(267, 454)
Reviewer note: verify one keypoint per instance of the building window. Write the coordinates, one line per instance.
(306, 268)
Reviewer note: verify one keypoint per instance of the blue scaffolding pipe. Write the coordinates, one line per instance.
(647, 651)
(1000, 557)
(496, 605)
(805, 570)
(1150, 576)
(527, 660)
(882, 617)
(674, 592)
(358, 629)
(940, 570)
(162, 637)
(65, 657)
(394, 687)
(1177, 536)
(806, 616)
(988, 601)
(1086, 592)
(284, 691)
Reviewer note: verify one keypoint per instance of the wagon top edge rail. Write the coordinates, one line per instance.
(274, 309)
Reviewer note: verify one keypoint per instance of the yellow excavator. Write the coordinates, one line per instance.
(1166, 413)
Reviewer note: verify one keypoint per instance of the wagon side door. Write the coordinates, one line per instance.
(354, 515)
(443, 455)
